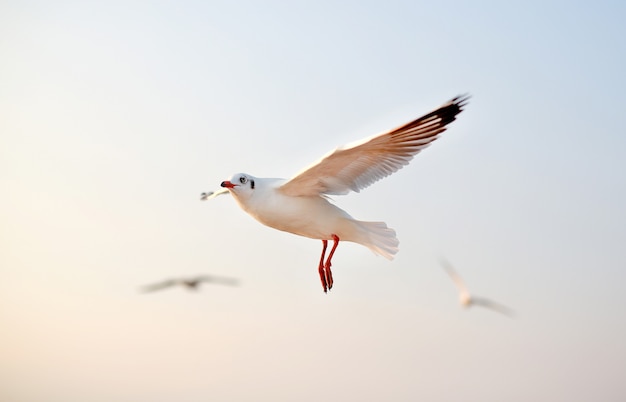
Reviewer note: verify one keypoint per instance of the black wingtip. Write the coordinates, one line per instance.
(461, 100)
(452, 108)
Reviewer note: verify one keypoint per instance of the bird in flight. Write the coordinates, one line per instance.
(301, 205)
(190, 283)
(467, 299)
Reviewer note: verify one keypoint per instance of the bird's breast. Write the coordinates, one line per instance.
(312, 217)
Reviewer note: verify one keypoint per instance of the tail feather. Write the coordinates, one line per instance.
(379, 238)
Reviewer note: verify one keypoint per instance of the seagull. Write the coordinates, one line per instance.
(301, 204)
(190, 283)
(466, 299)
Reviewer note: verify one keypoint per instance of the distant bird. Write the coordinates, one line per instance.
(466, 299)
(301, 206)
(190, 283)
(212, 194)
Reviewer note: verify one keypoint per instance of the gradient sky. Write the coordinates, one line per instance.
(115, 116)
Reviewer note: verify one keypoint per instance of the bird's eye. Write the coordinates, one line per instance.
(243, 179)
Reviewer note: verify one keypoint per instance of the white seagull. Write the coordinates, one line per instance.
(190, 283)
(301, 205)
(466, 299)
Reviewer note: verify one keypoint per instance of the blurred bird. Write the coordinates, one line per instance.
(212, 194)
(466, 299)
(301, 206)
(190, 283)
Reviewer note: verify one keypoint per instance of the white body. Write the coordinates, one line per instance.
(311, 216)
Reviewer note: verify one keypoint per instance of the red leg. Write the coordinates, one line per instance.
(329, 274)
(321, 267)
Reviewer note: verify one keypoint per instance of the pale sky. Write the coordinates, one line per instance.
(115, 116)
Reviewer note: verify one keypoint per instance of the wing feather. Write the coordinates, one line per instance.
(161, 285)
(456, 278)
(357, 166)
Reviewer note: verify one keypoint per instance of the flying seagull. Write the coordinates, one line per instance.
(466, 299)
(301, 206)
(190, 283)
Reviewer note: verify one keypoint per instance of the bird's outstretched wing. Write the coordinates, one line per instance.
(218, 279)
(160, 285)
(212, 194)
(490, 304)
(458, 281)
(358, 165)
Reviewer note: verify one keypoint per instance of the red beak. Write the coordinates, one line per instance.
(227, 184)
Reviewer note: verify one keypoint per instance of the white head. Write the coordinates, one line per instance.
(241, 186)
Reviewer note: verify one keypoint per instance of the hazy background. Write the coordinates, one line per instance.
(114, 117)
